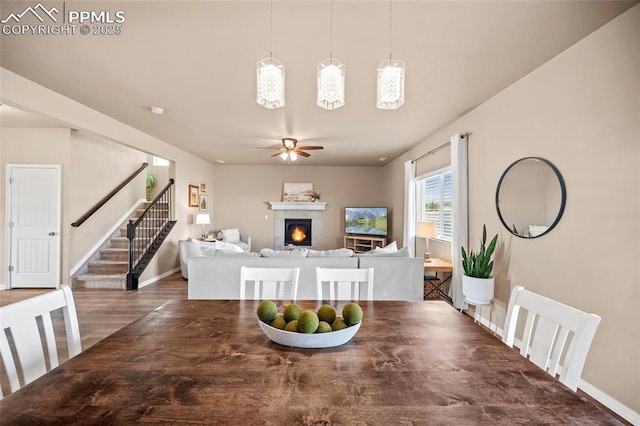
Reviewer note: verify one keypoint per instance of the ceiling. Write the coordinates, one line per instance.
(197, 60)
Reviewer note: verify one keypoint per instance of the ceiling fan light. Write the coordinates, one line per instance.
(284, 155)
(331, 84)
(270, 83)
(293, 156)
(390, 85)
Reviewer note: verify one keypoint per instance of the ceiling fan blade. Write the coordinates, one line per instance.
(304, 154)
(310, 147)
(276, 154)
(276, 146)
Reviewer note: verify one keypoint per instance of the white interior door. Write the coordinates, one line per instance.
(34, 225)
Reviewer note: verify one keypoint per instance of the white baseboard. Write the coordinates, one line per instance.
(612, 404)
(104, 238)
(158, 277)
(608, 401)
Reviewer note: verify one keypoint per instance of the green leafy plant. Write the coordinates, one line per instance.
(151, 182)
(479, 264)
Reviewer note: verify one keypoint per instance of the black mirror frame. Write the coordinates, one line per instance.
(563, 190)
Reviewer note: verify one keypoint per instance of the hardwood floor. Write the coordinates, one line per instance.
(103, 312)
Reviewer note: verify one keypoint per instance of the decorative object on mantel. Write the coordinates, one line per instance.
(477, 282)
(297, 192)
(315, 196)
(194, 196)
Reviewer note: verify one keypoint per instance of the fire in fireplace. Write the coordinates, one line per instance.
(297, 232)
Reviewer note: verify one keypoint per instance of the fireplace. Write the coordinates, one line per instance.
(297, 232)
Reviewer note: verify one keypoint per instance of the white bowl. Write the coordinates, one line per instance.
(312, 340)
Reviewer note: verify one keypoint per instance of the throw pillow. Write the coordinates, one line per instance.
(267, 252)
(341, 252)
(231, 235)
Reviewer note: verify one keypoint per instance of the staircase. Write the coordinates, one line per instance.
(109, 268)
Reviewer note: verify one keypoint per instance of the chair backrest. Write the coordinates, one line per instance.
(20, 319)
(546, 332)
(269, 283)
(344, 283)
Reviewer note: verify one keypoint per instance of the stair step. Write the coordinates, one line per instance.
(109, 267)
(119, 254)
(107, 281)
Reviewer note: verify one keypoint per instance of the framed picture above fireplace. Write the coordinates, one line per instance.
(297, 192)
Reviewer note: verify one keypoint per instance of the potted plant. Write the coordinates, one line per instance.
(151, 182)
(477, 282)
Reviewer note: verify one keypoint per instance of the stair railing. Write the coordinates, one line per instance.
(147, 233)
(107, 197)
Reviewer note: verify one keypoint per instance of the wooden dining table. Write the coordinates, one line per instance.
(208, 362)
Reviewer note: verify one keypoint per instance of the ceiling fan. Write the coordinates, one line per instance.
(290, 149)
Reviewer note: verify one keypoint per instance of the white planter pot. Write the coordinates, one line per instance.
(477, 291)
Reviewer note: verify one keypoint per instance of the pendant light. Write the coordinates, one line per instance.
(270, 78)
(330, 77)
(390, 80)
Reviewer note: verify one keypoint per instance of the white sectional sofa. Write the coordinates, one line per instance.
(217, 276)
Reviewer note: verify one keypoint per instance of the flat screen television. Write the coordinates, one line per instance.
(366, 221)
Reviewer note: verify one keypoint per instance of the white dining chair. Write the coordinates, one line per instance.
(344, 283)
(21, 320)
(269, 283)
(546, 332)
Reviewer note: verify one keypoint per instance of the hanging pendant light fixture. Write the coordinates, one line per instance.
(270, 78)
(330, 77)
(390, 81)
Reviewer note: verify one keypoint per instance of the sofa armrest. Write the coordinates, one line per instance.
(246, 239)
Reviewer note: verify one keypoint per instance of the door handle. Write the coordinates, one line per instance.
(51, 234)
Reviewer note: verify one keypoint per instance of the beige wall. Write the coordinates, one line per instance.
(581, 111)
(186, 168)
(242, 194)
(97, 167)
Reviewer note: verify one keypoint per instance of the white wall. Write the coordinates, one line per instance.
(581, 111)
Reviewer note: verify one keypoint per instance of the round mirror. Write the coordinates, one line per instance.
(530, 197)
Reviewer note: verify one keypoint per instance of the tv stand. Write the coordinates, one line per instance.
(363, 243)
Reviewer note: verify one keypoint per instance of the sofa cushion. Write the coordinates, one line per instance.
(222, 245)
(403, 252)
(341, 252)
(267, 252)
(229, 253)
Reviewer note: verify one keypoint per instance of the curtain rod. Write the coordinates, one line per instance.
(434, 150)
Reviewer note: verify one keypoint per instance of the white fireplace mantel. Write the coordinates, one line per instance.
(297, 205)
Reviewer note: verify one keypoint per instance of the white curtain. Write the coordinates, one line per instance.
(459, 173)
(409, 237)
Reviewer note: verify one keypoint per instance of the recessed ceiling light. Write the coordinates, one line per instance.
(157, 110)
(382, 158)
(220, 161)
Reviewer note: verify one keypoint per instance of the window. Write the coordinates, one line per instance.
(159, 161)
(434, 194)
